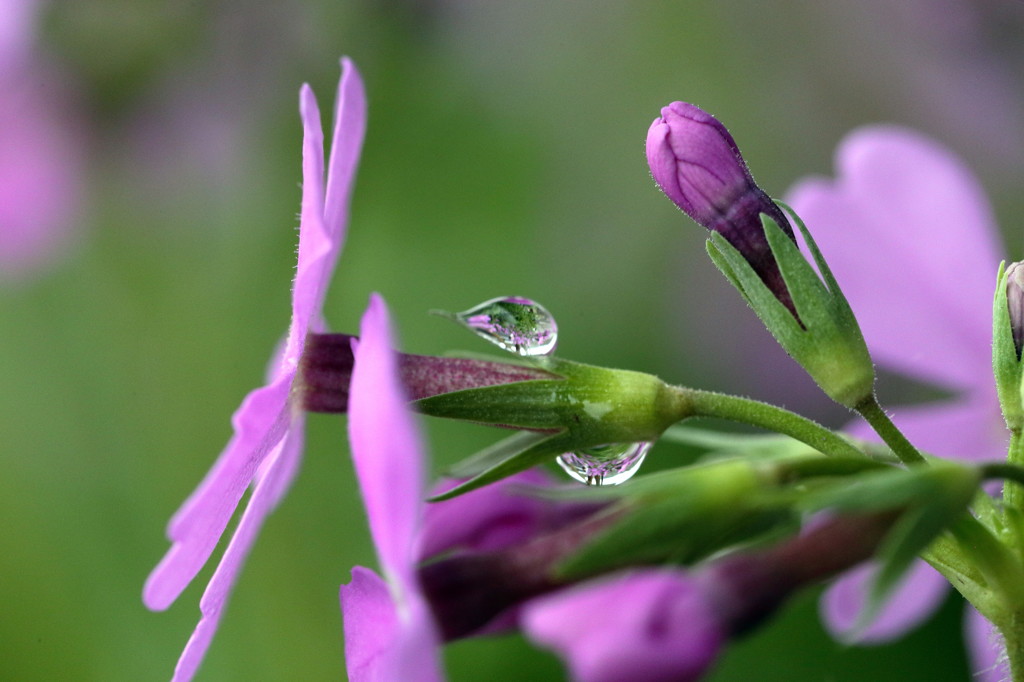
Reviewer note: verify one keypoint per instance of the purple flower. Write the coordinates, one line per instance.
(697, 164)
(266, 447)
(41, 151)
(910, 236)
(666, 627)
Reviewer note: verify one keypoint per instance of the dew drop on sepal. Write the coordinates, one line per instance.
(605, 464)
(516, 324)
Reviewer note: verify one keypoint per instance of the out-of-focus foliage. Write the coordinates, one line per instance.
(504, 157)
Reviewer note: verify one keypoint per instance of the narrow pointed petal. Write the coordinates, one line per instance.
(316, 257)
(910, 237)
(386, 448)
(281, 468)
(916, 598)
(389, 462)
(346, 146)
(260, 424)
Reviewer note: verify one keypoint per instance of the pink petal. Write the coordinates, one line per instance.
(386, 449)
(381, 644)
(371, 623)
(986, 648)
(260, 424)
(282, 466)
(649, 625)
(346, 144)
(315, 261)
(910, 236)
(915, 599)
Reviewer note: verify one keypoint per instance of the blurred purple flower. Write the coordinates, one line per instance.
(41, 150)
(266, 447)
(911, 238)
(668, 628)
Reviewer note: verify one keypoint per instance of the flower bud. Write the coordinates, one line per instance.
(1007, 339)
(696, 163)
(1015, 303)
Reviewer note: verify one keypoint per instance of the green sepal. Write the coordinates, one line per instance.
(1006, 366)
(999, 566)
(888, 487)
(680, 516)
(684, 515)
(496, 453)
(587, 407)
(928, 500)
(826, 339)
(538, 453)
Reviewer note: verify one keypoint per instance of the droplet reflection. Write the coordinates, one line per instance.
(516, 324)
(605, 464)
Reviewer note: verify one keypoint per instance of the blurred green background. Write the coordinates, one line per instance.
(504, 156)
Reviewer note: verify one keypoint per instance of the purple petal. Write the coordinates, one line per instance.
(494, 516)
(346, 144)
(664, 628)
(986, 648)
(387, 451)
(316, 252)
(281, 468)
(915, 599)
(322, 230)
(260, 424)
(389, 462)
(910, 236)
(380, 644)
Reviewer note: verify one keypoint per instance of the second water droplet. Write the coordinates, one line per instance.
(605, 464)
(517, 324)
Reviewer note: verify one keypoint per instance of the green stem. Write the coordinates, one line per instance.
(1013, 495)
(883, 426)
(757, 413)
(1013, 638)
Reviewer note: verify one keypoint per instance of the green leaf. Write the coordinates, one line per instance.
(909, 537)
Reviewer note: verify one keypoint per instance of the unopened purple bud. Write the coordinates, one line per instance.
(326, 371)
(696, 163)
(1015, 303)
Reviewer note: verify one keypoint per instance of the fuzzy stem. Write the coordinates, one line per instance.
(1013, 638)
(777, 419)
(1013, 495)
(883, 426)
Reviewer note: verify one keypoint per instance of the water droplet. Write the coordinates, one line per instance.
(605, 464)
(517, 324)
